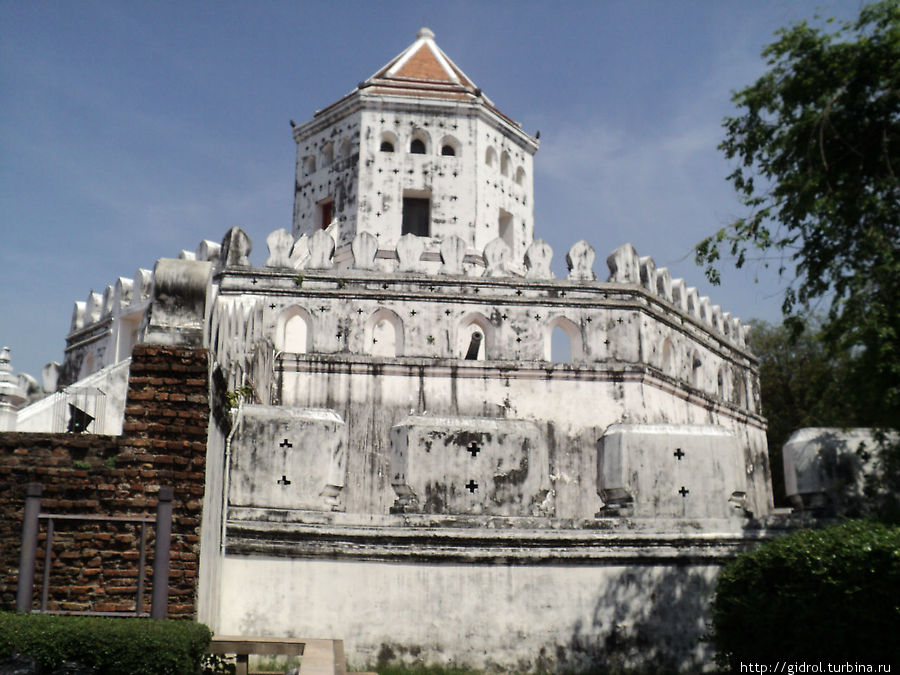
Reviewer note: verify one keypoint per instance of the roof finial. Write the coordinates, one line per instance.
(425, 32)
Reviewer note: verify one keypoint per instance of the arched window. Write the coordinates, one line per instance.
(309, 165)
(562, 341)
(667, 364)
(384, 334)
(560, 345)
(292, 331)
(419, 142)
(696, 369)
(345, 148)
(504, 163)
(327, 154)
(473, 337)
(388, 142)
(520, 176)
(490, 156)
(720, 383)
(449, 146)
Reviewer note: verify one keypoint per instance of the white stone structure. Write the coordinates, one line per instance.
(416, 148)
(825, 469)
(12, 394)
(410, 469)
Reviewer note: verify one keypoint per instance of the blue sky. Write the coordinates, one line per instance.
(130, 131)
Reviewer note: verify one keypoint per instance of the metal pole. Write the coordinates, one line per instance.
(160, 599)
(48, 559)
(139, 605)
(25, 586)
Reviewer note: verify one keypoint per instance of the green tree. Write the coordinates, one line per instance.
(817, 144)
(801, 385)
(817, 148)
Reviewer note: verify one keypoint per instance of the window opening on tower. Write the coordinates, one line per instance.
(416, 216)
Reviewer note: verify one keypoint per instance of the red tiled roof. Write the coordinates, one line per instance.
(423, 63)
(423, 70)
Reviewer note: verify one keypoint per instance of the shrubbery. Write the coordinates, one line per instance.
(109, 646)
(830, 595)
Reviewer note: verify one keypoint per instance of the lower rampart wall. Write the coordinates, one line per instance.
(504, 600)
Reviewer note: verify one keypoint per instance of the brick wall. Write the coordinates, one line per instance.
(95, 565)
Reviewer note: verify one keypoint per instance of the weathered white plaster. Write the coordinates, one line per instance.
(12, 394)
(279, 243)
(344, 170)
(473, 466)
(507, 617)
(580, 261)
(671, 471)
(302, 446)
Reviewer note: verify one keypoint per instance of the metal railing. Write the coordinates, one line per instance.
(28, 556)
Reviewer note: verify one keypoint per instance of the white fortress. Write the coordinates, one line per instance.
(410, 465)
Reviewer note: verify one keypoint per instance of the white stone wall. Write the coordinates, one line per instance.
(503, 188)
(556, 617)
(101, 394)
(375, 347)
(826, 469)
(327, 169)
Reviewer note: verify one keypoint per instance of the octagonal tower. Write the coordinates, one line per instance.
(416, 149)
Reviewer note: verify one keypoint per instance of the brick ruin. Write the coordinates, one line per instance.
(95, 564)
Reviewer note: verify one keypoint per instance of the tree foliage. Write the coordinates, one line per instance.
(801, 385)
(817, 145)
(804, 383)
(829, 595)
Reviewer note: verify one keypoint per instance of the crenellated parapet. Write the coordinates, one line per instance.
(301, 302)
(386, 335)
(106, 326)
(411, 254)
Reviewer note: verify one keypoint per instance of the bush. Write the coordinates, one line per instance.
(829, 595)
(111, 646)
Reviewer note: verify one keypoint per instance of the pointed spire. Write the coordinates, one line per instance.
(423, 70)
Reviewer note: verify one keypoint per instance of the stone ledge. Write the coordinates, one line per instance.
(513, 546)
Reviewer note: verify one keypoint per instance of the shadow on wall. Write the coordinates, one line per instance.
(649, 619)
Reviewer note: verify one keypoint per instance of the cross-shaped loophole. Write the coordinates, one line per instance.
(283, 480)
(471, 486)
(285, 444)
(473, 449)
(678, 454)
(683, 491)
